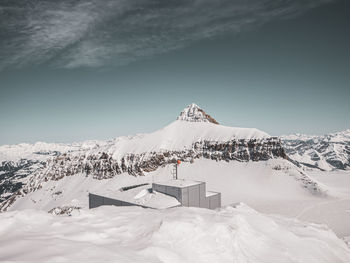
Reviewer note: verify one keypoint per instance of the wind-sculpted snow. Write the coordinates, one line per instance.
(327, 152)
(131, 234)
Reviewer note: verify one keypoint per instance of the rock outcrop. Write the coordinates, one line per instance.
(194, 113)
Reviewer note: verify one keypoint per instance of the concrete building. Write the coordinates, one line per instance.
(162, 195)
(189, 193)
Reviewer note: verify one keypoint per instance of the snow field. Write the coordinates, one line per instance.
(133, 234)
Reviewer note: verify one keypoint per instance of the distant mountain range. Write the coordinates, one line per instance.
(326, 152)
(26, 168)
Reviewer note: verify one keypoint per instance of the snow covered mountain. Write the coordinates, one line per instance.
(195, 137)
(327, 152)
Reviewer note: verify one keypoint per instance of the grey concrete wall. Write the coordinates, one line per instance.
(184, 197)
(97, 200)
(169, 190)
(202, 189)
(214, 201)
(110, 201)
(159, 188)
(202, 196)
(175, 192)
(194, 195)
(205, 203)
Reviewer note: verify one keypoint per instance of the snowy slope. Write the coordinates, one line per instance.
(273, 186)
(132, 234)
(178, 135)
(251, 182)
(326, 152)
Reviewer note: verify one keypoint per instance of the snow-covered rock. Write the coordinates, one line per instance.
(194, 113)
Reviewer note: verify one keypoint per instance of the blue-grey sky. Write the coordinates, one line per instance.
(77, 70)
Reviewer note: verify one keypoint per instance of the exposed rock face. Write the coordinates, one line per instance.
(18, 162)
(13, 175)
(327, 152)
(194, 113)
(102, 165)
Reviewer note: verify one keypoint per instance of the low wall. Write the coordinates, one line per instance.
(97, 200)
(214, 201)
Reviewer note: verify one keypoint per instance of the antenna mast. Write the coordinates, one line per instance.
(175, 169)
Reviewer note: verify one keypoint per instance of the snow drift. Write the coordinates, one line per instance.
(132, 234)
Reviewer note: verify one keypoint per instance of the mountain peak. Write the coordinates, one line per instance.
(194, 113)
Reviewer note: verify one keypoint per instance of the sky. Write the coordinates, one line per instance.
(98, 69)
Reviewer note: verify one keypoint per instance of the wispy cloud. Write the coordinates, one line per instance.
(97, 33)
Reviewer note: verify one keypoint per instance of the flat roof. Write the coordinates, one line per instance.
(141, 196)
(211, 193)
(181, 183)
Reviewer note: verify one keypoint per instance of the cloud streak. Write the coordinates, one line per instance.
(98, 33)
